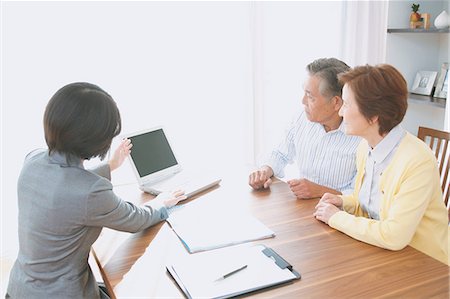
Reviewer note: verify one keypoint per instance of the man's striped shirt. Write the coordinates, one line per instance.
(325, 158)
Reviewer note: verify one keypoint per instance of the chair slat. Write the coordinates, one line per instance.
(446, 183)
(438, 148)
(438, 143)
(444, 159)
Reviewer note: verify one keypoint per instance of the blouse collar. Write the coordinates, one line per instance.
(65, 160)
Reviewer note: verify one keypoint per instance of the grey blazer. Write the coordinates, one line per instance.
(62, 210)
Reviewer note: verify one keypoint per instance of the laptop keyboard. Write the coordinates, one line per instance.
(176, 182)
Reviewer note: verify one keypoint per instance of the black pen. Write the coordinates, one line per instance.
(231, 273)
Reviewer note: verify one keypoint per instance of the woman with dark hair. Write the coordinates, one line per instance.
(397, 200)
(63, 207)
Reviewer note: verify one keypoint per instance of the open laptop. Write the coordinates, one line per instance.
(157, 169)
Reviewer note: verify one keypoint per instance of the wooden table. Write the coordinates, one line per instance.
(331, 263)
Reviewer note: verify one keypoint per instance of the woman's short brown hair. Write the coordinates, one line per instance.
(379, 91)
(81, 120)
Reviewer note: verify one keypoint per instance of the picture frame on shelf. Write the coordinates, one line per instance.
(424, 82)
(442, 82)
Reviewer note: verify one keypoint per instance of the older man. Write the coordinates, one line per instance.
(325, 156)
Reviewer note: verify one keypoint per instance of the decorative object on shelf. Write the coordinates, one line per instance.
(442, 20)
(424, 82)
(414, 17)
(426, 17)
(442, 82)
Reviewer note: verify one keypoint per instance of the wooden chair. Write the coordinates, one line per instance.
(439, 144)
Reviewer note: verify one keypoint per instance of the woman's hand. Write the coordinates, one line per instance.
(328, 205)
(170, 199)
(324, 211)
(335, 200)
(122, 151)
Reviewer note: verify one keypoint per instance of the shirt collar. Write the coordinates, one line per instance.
(387, 144)
(341, 128)
(65, 160)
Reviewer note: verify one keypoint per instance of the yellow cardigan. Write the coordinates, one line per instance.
(412, 211)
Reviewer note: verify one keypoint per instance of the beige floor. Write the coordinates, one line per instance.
(9, 243)
(6, 264)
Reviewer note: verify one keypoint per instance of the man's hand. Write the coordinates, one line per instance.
(302, 188)
(261, 178)
(122, 151)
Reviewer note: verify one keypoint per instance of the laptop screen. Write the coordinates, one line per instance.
(151, 152)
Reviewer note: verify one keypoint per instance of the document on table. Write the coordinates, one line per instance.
(202, 275)
(209, 223)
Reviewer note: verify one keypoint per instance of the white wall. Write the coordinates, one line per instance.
(293, 35)
(447, 108)
(423, 115)
(175, 64)
(187, 65)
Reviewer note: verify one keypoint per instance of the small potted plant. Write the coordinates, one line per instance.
(415, 19)
(415, 16)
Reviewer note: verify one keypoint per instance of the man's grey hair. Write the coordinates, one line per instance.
(327, 69)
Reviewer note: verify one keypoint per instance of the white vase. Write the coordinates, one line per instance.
(441, 20)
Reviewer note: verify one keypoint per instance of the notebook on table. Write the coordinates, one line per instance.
(210, 222)
(157, 169)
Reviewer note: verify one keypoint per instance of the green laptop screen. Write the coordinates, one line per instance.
(151, 152)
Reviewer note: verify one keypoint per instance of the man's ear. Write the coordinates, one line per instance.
(337, 102)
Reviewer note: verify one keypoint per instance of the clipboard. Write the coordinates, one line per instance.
(246, 269)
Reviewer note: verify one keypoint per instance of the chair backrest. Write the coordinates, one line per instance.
(438, 141)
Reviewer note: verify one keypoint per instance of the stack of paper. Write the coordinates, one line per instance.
(207, 223)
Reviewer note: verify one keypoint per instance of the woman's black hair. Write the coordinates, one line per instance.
(81, 120)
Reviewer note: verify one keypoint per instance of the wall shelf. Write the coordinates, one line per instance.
(426, 100)
(421, 30)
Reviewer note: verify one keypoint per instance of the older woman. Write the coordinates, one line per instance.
(63, 206)
(397, 199)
